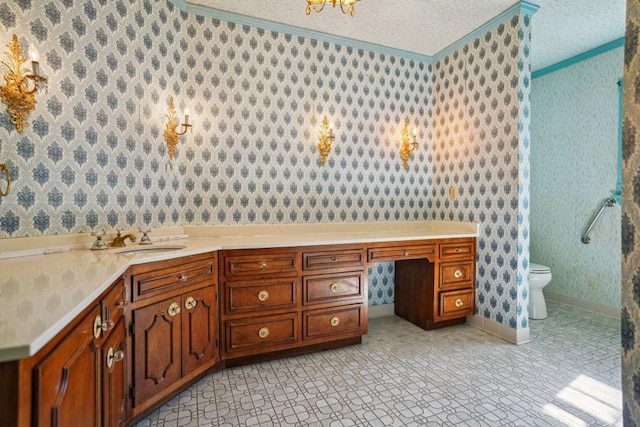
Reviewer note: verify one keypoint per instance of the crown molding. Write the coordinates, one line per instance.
(520, 7)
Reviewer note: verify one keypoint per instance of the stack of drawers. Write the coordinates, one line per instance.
(283, 299)
(457, 280)
(334, 294)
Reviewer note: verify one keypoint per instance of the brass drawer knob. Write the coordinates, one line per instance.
(263, 295)
(107, 325)
(334, 258)
(190, 303)
(263, 333)
(458, 250)
(173, 309)
(335, 321)
(263, 265)
(457, 274)
(183, 277)
(334, 287)
(97, 326)
(405, 253)
(114, 356)
(459, 303)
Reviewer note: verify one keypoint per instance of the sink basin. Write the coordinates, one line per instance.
(148, 249)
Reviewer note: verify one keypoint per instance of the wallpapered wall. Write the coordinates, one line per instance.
(94, 157)
(482, 100)
(574, 168)
(630, 327)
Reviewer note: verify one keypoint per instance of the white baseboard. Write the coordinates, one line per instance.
(605, 310)
(383, 310)
(514, 336)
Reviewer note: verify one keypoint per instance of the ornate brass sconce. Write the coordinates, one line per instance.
(15, 93)
(170, 131)
(326, 138)
(407, 147)
(5, 169)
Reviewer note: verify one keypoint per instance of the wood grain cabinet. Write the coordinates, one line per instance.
(289, 300)
(78, 378)
(158, 328)
(66, 381)
(173, 326)
(434, 281)
(261, 298)
(334, 292)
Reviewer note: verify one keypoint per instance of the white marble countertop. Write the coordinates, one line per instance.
(41, 294)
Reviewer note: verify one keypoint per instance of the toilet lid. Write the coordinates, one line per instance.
(538, 268)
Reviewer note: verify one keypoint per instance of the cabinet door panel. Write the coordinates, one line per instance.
(199, 328)
(66, 380)
(114, 393)
(156, 348)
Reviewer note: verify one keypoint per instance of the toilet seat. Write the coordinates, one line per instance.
(538, 269)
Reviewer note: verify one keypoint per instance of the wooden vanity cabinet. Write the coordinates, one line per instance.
(285, 300)
(434, 279)
(173, 326)
(334, 293)
(66, 381)
(260, 291)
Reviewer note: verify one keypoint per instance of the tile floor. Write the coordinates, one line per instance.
(403, 376)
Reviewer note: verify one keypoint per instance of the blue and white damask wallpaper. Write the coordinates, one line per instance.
(93, 156)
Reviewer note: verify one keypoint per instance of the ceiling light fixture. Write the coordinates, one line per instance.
(345, 5)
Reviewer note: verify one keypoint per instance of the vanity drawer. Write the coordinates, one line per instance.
(333, 288)
(155, 282)
(456, 250)
(246, 335)
(253, 295)
(456, 303)
(456, 275)
(334, 322)
(396, 253)
(332, 260)
(268, 263)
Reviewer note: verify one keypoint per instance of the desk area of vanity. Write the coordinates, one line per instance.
(147, 325)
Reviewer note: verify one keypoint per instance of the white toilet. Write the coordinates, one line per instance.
(539, 277)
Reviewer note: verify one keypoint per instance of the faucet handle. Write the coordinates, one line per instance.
(99, 244)
(145, 239)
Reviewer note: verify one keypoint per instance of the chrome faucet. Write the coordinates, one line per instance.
(118, 241)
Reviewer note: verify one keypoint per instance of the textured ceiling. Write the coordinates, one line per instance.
(561, 28)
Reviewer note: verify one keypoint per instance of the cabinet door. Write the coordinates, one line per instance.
(114, 393)
(199, 328)
(156, 348)
(66, 381)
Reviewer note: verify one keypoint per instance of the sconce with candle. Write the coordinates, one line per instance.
(407, 147)
(20, 87)
(171, 133)
(326, 139)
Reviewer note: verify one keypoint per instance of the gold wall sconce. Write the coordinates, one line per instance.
(171, 133)
(407, 147)
(326, 139)
(5, 170)
(20, 87)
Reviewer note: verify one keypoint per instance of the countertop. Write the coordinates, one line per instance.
(41, 294)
